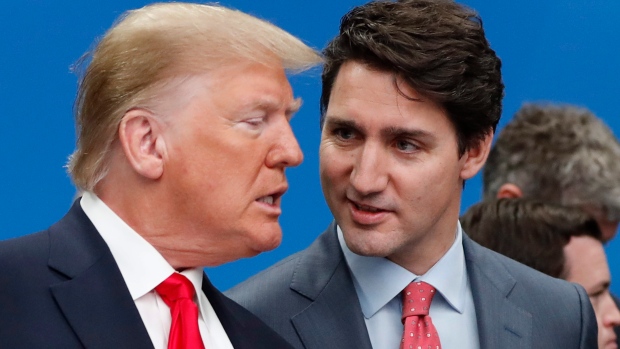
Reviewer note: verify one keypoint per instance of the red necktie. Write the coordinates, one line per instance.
(419, 333)
(178, 293)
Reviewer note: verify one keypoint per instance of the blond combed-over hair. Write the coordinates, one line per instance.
(150, 46)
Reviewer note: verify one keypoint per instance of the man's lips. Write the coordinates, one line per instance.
(367, 208)
(273, 198)
(365, 214)
(367, 205)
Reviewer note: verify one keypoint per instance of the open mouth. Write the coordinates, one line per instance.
(269, 199)
(272, 199)
(366, 214)
(367, 208)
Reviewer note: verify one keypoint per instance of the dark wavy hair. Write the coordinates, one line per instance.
(438, 47)
(531, 232)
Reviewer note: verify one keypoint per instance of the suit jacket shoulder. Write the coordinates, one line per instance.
(243, 328)
(309, 298)
(61, 288)
(517, 306)
(64, 290)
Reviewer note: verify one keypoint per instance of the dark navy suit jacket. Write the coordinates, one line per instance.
(309, 298)
(61, 288)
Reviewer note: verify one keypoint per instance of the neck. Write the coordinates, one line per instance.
(422, 254)
(420, 259)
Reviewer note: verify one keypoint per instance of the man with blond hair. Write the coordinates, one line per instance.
(183, 138)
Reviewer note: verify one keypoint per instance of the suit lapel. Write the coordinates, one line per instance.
(244, 330)
(95, 299)
(334, 319)
(232, 324)
(501, 324)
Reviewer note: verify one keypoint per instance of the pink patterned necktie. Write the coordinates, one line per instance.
(419, 333)
(178, 293)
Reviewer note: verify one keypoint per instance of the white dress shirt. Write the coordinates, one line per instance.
(143, 268)
(378, 283)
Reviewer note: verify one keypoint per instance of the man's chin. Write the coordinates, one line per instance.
(369, 246)
(266, 239)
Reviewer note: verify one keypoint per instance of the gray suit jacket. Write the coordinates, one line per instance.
(309, 298)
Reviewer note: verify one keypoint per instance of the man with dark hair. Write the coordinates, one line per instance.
(562, 242)
(411, 97)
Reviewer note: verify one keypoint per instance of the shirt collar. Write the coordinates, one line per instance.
(142, 266)
(195, 276)
(378, 280)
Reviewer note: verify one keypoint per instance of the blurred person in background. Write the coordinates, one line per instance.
(561, 154)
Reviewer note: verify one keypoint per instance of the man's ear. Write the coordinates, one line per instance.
(476, 156)
(140, 134)
(509, 191)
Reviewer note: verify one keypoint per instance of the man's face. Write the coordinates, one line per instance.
(587, 265)
(228, 148)
(389, 168)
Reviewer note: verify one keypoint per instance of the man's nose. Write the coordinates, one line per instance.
(369, 174)
(286, 151)
(612, 316)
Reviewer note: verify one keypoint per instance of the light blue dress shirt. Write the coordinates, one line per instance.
(378, 283)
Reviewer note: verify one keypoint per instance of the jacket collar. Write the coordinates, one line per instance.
(501, 323)
(94, 298)
(322, 276)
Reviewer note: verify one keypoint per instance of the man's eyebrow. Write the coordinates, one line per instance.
(600, 287)
(396, 132)
(260, 104)
(294, 106)
(334, 122)
(269, 104)
(389, 132)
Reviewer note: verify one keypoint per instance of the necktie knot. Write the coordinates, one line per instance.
(418, 329)
(417, 298)
(174, 288)
(178, 293)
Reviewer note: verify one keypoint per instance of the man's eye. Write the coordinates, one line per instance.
(343, 133)
(596, 294)
(406, 146)
(254, 121)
